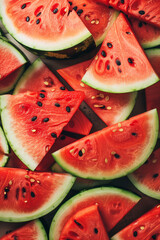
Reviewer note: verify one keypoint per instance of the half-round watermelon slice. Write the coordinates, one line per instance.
(32, 231)
(27, 195)
(121, 64)
(113, 204)
(47, 26)
(41, 116)
(147, 177)
(112, 152)
(110, 107)
(4, 149)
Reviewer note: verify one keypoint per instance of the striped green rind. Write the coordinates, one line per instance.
(68, 207)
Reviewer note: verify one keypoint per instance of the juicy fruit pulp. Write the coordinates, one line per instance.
(85, 224)
(102, 154)
(113, 204)
(27, 195)
(41, 116)
(46, 26)
(118, 71)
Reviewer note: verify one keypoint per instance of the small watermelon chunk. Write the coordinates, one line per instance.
(113, 205)
(41, 116)
(147, 177)
(85, 224)
(120, 65)
(142, 228)
(38, 77)
(110, 107)
(112, 152)
(27, 195)
(32, 231)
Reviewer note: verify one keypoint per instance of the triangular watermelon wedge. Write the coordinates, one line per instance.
(85, 224)
(33, 120)
(121, 64)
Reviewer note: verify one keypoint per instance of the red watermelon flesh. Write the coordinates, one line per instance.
(110, 107)
(39, 77)
(112, 152)
(116, 70)
(97, 17)
(147, 35)
(41, 116)
(85, 224)
(31, 231)
(142, 228)
(147, 177)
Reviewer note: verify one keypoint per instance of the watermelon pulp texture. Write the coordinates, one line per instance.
(110, 107)
(146, 178)
(113, 151)
(41, 116)
(4, 149)
(15, 62)
(142, 228)
(26, 195)
(115, 70)
(113, 204)
(33, 231)
(38, 77)
(85, 224)
(45, 26)
(98, 18)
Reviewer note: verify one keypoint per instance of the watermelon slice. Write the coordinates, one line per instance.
(147, 178)
(113, 204)
(116, 70)
(41, 116)
(32, 231)
(4, 149)
(110, 107)
(15, 62)
(47, 26)
(142, 228)
(27, 195)
(147, 35)
(112, 152)
(85, 224)
(98, 18)
(38, 77)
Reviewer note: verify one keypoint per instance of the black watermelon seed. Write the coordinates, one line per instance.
(75, 8)
(117, 155)
(68, 109)
(42, 91)
(38, 21)
(135, 234)
(55, 10)
(80, 153)
(103, 53)
(155, 175)
(32, 194)
(23, 189)
(108, 67)
(42, 95)
(80, 11)
(154, 236)
(84, 5)
(33, 118)
(140, 24)
(62, 88)
(6, 189)
(134, 134)
(27, 19)
(122, 1)
(128, 33)
(70, 3)
(95, 230)
(109, 45)
(63, 137)
(141, 12)
(39, 104)
(45, 119)
(118, 62)
(103, 107)
(130, 60)
(9, 231)
(78, 224)
(57, 104)
(5, 196)
(119, 70)
(23, 6)
(54, 135)
(38, 14)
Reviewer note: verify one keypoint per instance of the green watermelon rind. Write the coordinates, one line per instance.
(35, 44)
(42, 235)
(4, 148)
(152, 52)
(91, 81)
(52, 203)
(152, 43)
(64, 210)
(146, 153)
